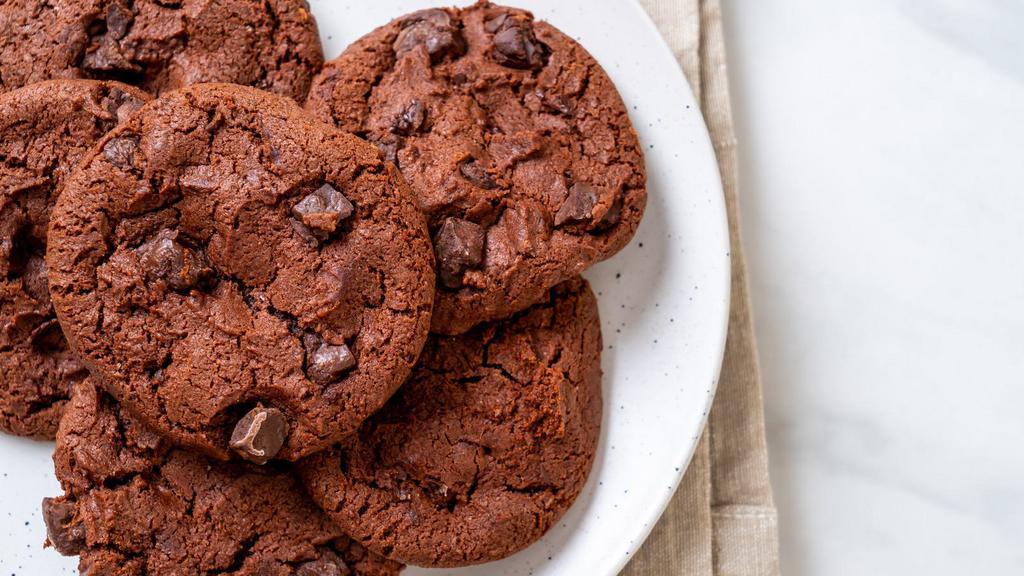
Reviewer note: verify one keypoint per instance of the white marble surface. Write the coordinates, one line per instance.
(882, 154)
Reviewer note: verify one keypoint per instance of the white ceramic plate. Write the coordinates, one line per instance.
(664, 309)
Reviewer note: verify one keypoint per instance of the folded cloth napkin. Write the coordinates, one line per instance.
(722, 520)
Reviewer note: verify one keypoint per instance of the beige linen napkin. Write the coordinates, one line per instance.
(722, 521)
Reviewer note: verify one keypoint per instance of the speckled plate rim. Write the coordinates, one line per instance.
(664, 308)
(717, 354)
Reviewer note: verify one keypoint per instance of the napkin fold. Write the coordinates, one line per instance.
(722, 520)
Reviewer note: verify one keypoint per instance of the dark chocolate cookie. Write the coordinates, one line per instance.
(44, 129)
(161, 45)
(133, 505)
(514, 140)
(483, 449)
(240, 275)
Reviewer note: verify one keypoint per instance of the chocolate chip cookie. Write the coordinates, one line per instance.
(133, 505)
(483, 449)
(44, 129)
(243, 277)
(161, 45)
(515, 141)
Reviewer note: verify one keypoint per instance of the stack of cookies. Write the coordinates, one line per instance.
(289, 317)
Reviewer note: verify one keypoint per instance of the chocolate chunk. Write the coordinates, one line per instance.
(611, 216)
(578, 206)
(259, 435)
(477, 175)
(66, 536)
(515, 44)
(389, 146)
(321, 211)
(108, 58)
(120, 104)
(438, 493)
(129, 107)
(119, 20)
(164, 258)
(434, 29)
(305, 233)
(33, 279)
(411, 118)
(327, 362)
(459, 246)
(120, 151)
(556, 103)
(583, 204)
(113, 100)
(329, 564)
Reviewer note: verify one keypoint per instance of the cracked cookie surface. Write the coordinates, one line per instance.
(161, 45)
(515, 141)
(244, 278)
(44, 130)
(483, 449)
(133, 505)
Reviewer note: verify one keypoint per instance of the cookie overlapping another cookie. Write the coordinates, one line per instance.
(246, 286)
(515, 141)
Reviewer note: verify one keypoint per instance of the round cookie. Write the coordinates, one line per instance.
(44, 129)
(133, 505)
(159, 45)
(240, 275)
(515, 141)
(483, 449)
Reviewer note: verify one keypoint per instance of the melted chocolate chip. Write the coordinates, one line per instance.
(515, 44)
(260, 434)
(476, 174)
(433, 29)
(164, 258)
(322, 211)
(66, 536)
(326, 363)
(120, 151)
(578, 206)
(411, 119)
(459, 246)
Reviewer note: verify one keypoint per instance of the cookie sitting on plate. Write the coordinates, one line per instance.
(44, 130)
(241, 276)
(483, 449)
(135, 505)
(516, 143)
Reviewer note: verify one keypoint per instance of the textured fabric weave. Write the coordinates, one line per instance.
(722, 521)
